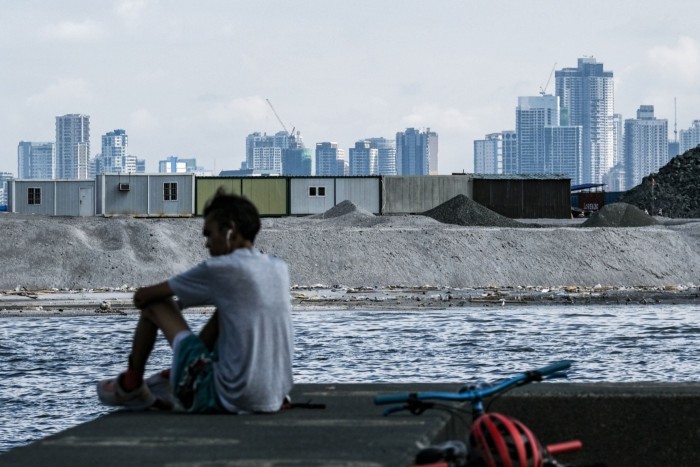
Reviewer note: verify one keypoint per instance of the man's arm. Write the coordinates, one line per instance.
(210, 331)
(153, 293)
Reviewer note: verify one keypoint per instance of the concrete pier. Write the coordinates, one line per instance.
(650, 424)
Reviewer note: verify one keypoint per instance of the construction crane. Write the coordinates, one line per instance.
(543, 89)
(278, 117)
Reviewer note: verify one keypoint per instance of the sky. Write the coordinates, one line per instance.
(192, 78)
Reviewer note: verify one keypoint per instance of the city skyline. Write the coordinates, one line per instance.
(194, 80)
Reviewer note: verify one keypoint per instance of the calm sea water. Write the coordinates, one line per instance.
(49, 366)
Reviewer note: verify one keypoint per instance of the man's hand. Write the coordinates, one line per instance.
(153, 293)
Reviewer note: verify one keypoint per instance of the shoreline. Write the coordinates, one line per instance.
(42, 303)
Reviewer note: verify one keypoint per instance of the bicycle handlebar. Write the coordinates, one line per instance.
(475, 394)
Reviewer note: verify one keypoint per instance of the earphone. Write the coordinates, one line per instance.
(228, 238)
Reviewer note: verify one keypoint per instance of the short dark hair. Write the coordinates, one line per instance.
(225, 208)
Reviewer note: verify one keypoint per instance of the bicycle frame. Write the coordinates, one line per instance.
(418, 402)
(475, 396)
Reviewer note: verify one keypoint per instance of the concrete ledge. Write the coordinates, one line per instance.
(620, 424)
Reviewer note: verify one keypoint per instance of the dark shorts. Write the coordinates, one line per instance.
(193, 375)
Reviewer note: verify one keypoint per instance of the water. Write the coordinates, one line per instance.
(49, 366)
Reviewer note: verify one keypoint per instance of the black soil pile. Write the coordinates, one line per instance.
(619, 215)
(677, 189)
(461, 210)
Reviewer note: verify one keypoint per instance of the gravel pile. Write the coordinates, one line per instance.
(341, 209)
(353, 250)
(677, 190)
(619, 215)
(462, 210)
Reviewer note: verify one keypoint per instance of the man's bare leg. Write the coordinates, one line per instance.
(164, 315)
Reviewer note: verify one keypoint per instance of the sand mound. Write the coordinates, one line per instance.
(461, 210)
(619, 215)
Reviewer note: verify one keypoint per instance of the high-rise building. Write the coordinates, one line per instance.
(36, 160)
(416, 152)
(689, 138)
(296, 158)
(563, 147)
(386, 155)
(330, 159)
(532, 115)
(646, 145)
(282, 153)
(174, 164)
(115, 149)
(72, 146)
(618, 139)
(5, 178)
(488, 154)
(509, 149)
(363, 159)
(586, 95)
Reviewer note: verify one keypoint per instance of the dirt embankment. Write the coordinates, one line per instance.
(353, 248)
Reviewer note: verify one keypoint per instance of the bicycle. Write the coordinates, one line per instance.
(494, 439)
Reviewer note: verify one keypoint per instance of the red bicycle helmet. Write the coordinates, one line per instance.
(501, 441)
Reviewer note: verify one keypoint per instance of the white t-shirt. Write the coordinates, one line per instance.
(255, 342)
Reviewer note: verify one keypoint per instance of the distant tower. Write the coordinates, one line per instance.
(363, 158)
(114, 158)
(586, 95)
(330, 159)
(532, 115)
(36, 160)
(488, 154)
(386, 155)
(690, 138)
(416, 152)
(674, 147)
(72, 146)
(646, 145)
(510, 151)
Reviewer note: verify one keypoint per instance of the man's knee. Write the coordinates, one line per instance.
(154, 310)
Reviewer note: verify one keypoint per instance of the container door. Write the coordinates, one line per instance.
(87, 202)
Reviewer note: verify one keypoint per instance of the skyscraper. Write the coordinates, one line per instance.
(532, 115)
(488, 154)
(296, 158)
(330, 159)
(363, 159)
(36, 160)
(563, 146)
(509, 149)
(174, 164)
(386, 155)
(586, 96)
(646, 145)
(416, 152)
(115, 149)
(689, 138)
(72, 146)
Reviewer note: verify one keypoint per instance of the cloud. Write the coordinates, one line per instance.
(681, 61)
(143, 120)
(244, 109)
(131, 11)
(74, 31)
(439, 119)
(64, 91)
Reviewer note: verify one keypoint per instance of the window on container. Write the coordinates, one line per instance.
(34, 195)
(322, 191)
(170, 191)
(312, 191)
